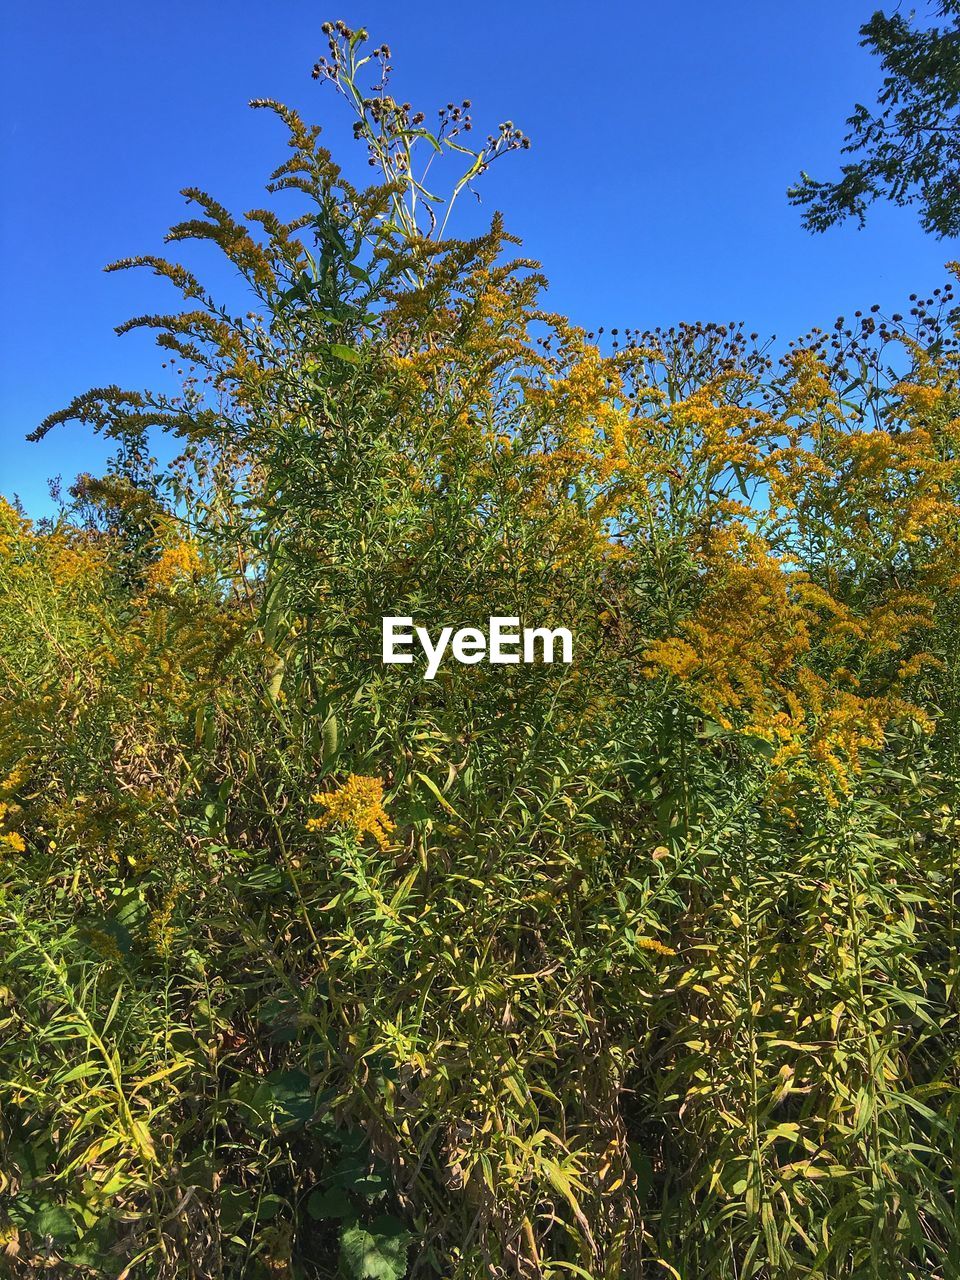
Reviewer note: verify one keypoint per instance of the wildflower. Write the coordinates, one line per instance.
(103, 943)
(159, 928)
(12, 781)
(13, 841)
(358, 806)
(651, 944)
(13, 527)
(73, 563)
(174, 563)
(811, 386)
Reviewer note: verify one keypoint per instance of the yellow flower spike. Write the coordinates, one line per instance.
(651, 944)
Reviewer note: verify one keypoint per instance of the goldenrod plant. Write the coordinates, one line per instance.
(641, 965)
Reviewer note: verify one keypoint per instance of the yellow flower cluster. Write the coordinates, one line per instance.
(11, 840)
(103, 943)
(64, 557)
(12, 527)
(651, 944)
(741, 642)
(918, 398)
(177, 563)
(358, 806)
(810, 386)
(747, 653)
(74, 562)
(159, 929)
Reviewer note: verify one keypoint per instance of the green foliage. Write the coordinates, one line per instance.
(909, 149)
(644, 966)
(377, 1252)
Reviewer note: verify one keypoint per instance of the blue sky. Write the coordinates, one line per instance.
(664, 136)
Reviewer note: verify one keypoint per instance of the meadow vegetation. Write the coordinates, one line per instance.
(645, 966)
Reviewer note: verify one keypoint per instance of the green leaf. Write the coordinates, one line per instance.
(334, 1203)
(642, 1168)
(377, 1251)
(344, 353)
(285, 1097)
(53, 1220)
(236, 1206)
(436, 793)
(282, 1100)
(269, 1207)
(112, 928)
(331, 737)
(354, 1173)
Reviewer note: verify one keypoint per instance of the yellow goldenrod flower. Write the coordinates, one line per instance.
(358, 806)
(181, 561)
(651, 944)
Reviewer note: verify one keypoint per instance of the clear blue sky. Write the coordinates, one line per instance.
(664, 136)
